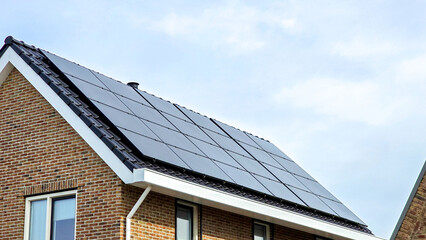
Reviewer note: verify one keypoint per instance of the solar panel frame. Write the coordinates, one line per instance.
(279, 190)
(146, 112)
(173, 138)
(73, 69)
(317, 188)
(243, 178)
(161, 104)
(313, 201)
(226, 143)
(260, 155)
(215, 152)
(286, 177)
(200, 120)
(119, 88)
(251, 165)
(294, 168)
(155, 149)
(97, 93)
(268, 146)
(202, 164)
(342, 210)
(189, 129)
(236, 134)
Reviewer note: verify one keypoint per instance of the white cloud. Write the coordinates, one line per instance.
(366, 102)
(412, 70)
(364, 47)
(239, 27)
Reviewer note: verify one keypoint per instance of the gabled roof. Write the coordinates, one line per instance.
(145, 131)
(410, 201)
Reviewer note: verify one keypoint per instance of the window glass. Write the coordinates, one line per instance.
(38, 220)
(183, 223)
(63, 219)
(259, 232)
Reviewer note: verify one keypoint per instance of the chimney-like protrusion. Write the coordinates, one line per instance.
(133, 84)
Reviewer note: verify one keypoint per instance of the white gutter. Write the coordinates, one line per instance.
(200, 194)
(133, 211)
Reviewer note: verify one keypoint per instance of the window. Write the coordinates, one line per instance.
(50, 216)
(186, 221)
(261, 231)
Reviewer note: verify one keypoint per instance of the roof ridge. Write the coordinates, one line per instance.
(9, 40)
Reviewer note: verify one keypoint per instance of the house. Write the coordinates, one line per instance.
(412, 222)
(83, 156)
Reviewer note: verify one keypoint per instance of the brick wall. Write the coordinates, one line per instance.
(414, 225)
(40, 153)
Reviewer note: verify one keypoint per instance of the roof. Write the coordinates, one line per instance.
(409, 201)
(145, 131)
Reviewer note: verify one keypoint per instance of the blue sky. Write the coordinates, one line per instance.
(338, 85)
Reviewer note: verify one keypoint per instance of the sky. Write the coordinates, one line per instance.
(339, 86)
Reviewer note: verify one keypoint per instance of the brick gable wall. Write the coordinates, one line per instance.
(41, 153)
(414, 225)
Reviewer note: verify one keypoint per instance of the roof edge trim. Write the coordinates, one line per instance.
(10, 59)
(409, 201)
(176, 187)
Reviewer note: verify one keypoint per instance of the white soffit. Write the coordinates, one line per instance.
(11, 59)
(186, 190)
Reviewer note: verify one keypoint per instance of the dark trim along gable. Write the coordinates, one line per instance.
(408, 204)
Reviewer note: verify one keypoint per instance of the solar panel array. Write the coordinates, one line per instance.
(178, 136)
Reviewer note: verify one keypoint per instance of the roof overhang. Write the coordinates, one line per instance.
(193, 192)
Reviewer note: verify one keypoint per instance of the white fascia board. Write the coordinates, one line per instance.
(11, 59)
(176, 187)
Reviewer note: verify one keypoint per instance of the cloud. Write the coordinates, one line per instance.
(365, 102)
(364, 47)
(412, 70)
(238, 27)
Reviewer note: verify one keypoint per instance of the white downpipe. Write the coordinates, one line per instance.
(134, 209)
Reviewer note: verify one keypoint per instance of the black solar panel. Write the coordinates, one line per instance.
(178, 136)
(267, 146)
(342, 210)
(316, 188)
(312, 200)
(202, 164)
(120, 88)
(153, 148)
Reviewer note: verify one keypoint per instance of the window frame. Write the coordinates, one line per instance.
(267, 227)
(49, 197)
(194, 208)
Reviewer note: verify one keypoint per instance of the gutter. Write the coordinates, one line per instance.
(133, 211)
(196, 193)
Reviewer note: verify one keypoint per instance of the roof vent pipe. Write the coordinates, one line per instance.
(133, 84)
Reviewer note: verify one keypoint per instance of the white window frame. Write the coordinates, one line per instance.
(194, 217)
(267, 227)
(49, 197)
